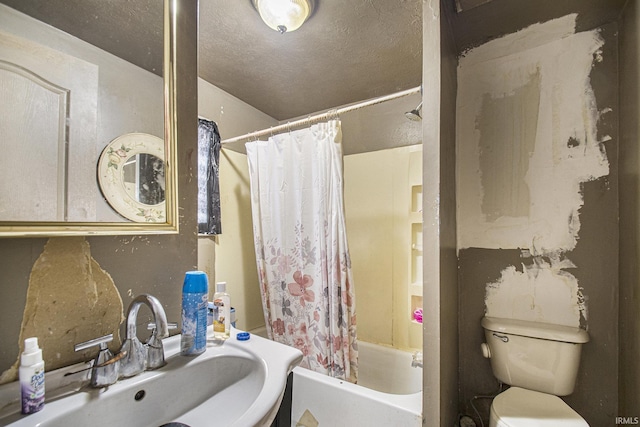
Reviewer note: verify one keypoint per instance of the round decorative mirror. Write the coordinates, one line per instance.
(131, 177)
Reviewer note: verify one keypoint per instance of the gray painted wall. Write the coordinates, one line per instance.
(629, 182)
(448, 257)
(439, 227)
(151, 264)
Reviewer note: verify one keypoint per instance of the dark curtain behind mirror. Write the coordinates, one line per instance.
(208, 176)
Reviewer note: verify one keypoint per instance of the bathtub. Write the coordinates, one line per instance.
(389, 393)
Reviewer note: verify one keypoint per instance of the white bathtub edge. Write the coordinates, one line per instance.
(404, 402)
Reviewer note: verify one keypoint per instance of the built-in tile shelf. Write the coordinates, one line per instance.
(415, 260)
(415, 247)
(416, 200)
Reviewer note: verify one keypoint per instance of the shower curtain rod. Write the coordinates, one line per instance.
(330, 114)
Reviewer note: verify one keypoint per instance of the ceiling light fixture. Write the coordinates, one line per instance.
(284, 15)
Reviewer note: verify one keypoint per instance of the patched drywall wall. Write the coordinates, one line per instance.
(70, 300)
(535, 111)
(537, 200)
(527, 133)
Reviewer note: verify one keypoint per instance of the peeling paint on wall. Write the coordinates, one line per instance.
(70, 300)
(541, 292)
(527, 138)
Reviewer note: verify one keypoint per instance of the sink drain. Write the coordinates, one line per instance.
(174, 425)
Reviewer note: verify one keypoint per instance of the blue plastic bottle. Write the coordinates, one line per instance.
(195, 293)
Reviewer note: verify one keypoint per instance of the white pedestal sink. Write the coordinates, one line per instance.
(233, 383)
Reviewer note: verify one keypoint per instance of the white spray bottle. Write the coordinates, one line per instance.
(31, 374)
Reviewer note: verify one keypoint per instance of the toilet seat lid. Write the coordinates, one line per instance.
(526, 408)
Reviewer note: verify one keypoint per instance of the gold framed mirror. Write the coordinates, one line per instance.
(50, 173)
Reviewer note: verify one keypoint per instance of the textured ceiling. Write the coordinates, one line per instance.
(348, 51)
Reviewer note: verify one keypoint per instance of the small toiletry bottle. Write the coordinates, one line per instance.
(222, 325)
(31, 375)
(195, 292)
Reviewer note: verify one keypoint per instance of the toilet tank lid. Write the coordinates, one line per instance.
(545, 331)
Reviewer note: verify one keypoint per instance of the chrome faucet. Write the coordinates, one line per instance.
(139, 357)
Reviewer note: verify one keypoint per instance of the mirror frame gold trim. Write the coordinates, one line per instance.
(171, 226)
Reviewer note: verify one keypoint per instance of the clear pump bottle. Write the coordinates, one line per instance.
(222, 324)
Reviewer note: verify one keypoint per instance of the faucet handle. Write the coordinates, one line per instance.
(101, 341)
(104, 371)
(170, 325)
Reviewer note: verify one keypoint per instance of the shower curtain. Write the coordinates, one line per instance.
(301, 246)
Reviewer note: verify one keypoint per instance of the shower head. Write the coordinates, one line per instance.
(414, 114)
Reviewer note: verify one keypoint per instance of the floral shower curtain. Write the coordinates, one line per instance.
(301, 246)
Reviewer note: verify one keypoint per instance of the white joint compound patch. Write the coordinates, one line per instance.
(542, 292)
(527, 138)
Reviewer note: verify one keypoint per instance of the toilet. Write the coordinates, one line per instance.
(540, 362)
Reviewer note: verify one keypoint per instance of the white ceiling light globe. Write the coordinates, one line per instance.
(284, 15)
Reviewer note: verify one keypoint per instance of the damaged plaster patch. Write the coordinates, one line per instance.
(70, 299)
(521, 159)
(526, 141)
(542, 292)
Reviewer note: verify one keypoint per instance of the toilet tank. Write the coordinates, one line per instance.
(533, 355)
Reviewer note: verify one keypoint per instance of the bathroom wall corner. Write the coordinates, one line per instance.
(440, 292)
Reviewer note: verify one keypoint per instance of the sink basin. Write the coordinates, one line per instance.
(234, 383)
